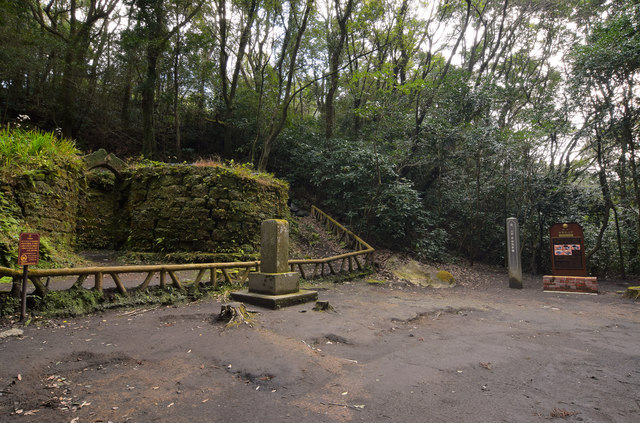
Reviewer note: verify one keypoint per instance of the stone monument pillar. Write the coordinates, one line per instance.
(274, 277)
(513, 246)
(274, 285)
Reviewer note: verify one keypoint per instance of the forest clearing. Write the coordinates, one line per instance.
(422, 126)
(388, 352)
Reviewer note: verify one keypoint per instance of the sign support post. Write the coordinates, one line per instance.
(23, 303)
(28, 254)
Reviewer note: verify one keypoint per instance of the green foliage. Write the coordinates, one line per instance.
(359, 186)
(71, 302)
(8, 304)
(612, 50)
(433, 246)
(10, 229)
(81, 301)
(20, 149)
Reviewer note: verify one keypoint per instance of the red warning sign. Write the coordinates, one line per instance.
(28, 249)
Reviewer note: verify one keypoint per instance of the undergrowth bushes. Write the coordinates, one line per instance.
(21, 149)
(361, 188)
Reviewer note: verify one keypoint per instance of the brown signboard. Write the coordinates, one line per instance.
(28, 249)
(567, 250)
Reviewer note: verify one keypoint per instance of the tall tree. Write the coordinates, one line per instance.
(606, 70)
(244, 14)
(335, 43)
(153, 28)
(285, 72)
(73, 22)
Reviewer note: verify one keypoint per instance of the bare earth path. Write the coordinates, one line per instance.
(390, 353)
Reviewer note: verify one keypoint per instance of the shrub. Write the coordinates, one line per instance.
(357, 185)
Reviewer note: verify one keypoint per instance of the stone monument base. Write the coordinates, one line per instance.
(274, 283)
(275, 301)
(581, 284)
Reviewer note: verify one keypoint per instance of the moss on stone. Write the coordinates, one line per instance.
(445, 276)
(633, 292)
(212, 209)
(43, 200)
(154, 207)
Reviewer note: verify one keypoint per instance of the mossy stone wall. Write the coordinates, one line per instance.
(170, 208)
(101, 218)
(48, 200)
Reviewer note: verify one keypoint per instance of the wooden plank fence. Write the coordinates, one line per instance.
(233, 273)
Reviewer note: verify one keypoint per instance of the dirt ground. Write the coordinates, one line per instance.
(479, 352)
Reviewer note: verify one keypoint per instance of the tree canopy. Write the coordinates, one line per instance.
(424, 124)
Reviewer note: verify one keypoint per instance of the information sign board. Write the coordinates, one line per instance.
(28, 249)
(567, 250)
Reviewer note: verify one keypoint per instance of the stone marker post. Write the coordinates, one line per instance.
(513, 247)
(274, 277)
(274, 246)
(274, 285)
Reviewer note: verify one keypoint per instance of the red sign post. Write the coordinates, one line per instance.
(568, 261)
(567, 250)
(28, 255)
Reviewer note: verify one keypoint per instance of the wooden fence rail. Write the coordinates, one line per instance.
(360, 258)
(234, 273)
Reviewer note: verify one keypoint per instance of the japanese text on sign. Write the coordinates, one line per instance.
(28, 249)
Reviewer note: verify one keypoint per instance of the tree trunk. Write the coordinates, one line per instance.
(623, 272)
(606, 196)
(334, 61)
(176, 94)
(67, 95)
(148, 103)
(281, 110)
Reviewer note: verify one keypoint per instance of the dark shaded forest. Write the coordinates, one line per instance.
(420, 124)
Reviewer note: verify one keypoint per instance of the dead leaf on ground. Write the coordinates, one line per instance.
(486, 365)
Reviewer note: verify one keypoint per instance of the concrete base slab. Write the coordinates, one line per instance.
(275, 301)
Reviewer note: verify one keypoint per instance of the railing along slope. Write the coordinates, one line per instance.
(234, 273)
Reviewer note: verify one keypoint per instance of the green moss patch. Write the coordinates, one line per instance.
(80, 301)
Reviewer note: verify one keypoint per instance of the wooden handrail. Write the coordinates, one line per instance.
(72, 271)
(347, 258)
(315, 211)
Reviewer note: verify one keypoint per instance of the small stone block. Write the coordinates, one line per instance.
(274, 283)
(275, 301)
